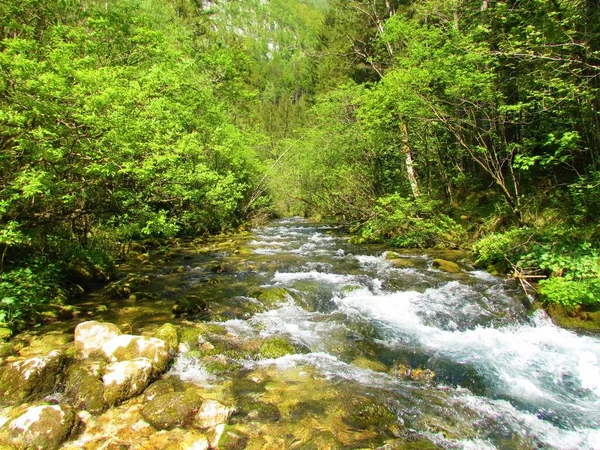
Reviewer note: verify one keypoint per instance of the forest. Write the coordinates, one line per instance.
(471, 124)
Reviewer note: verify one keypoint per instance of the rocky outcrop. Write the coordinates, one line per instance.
(43, 427)
(27, 379)
(127, 347)
(125, 379)
(91, 336)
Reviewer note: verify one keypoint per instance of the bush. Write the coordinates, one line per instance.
(405, 222)
(564, 255)
(24, 290)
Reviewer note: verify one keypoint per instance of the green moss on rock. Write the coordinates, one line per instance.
(168, 333)
(276, 347)
(446, 266)
(172, 410)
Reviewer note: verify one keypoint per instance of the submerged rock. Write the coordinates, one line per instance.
(177, 439)
(43, 427)
(212, 413)
(125, 379)
(446, 266)
(424, 375)
(128, 347)
(276, 347)
(30, 378)
(174, 409)
(91, 336)
(190, 306)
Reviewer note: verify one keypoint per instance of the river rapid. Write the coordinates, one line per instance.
(387, 351)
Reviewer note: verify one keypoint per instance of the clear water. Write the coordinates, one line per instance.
(503, 378)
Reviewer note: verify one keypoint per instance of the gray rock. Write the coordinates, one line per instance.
(127, 347)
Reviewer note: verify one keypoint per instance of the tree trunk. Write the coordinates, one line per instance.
(408, 160)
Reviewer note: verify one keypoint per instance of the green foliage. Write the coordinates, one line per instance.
(406, 222)
(24, 290)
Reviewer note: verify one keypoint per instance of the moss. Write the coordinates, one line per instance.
(232, 439)
(168, 333)
(190, 306)
(366, 414)
(269, 296)
(276, 347)
(174, 409)
(5, 334)
(365, 363)
(578, 318)
(446, 266)
(6, 349)
(83, 387)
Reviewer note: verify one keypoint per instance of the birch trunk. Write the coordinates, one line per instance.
(408, 160)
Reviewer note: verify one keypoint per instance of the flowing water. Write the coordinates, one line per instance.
(386, 348)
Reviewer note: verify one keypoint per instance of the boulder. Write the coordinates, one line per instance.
(168, 333)
(125, 379)
(127, 347)
(446, 266)
(212, 413)
(91, 336)
(174, 409)
(83, 387)
(158, 388)
(29, 378)
(43, 427)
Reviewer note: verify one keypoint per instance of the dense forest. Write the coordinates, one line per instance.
(468, 124)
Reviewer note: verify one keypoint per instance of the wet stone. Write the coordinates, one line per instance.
(123, 380)
(174, 409)
(190, 306)
(446, 266)
(43, 427)
(128, 347)
(31, 378)
(83, 387)
(212, 413)
(168, 333)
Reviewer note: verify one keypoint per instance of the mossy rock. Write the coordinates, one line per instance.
(83, 387)
(366, 414)
(446, 266)
(31, 378)
(168, 333)
(158, 388)
(5, 334)
(575, 318)
(190, 306)
(171, 410)
(232, 439)
(276, 347)
(43, 427)
(269, 296)
(7, 349)
(365, 363)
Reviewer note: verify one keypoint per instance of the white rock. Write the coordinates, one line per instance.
(91, 336)
(128, 347)
(125, 379)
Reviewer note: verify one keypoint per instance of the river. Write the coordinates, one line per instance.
(386, 348)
